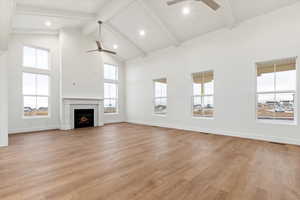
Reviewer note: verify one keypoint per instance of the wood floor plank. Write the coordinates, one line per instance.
(132, 162)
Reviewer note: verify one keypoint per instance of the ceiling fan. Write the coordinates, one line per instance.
(210, 3)
(99, 44)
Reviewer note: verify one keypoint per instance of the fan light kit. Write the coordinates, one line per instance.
(186, 10)
(115, 46)
(48, 23)
(210, 3)
(142, 32)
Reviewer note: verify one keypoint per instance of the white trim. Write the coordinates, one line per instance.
(32, 129)
(64, 14)
(244, 135)
(83, 98)
(25, 31)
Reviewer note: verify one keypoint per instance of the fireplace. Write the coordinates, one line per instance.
(83, 118)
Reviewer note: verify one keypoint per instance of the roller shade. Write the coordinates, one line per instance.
(203, 77)
(276, 66)
(162, 80)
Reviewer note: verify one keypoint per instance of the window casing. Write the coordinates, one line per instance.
(111, 84)
(36, 82)
(276, 90)
(37, 58)
(203, 94)
(160, 96)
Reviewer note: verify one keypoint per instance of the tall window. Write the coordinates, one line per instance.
(203, 94)
(36, 82)
(276, 90)
(110, 88)
(160, 96)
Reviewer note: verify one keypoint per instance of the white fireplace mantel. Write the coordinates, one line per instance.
(72, 103)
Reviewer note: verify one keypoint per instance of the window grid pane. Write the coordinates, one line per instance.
(110, 72)
(276, 90)
(160, 96)
(203, 94)
(110, 105)
(110, 98)
(35, 58)
(36, 92)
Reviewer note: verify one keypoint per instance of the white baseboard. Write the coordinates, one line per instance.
(3, 145)
(223, 132)
(32, 129)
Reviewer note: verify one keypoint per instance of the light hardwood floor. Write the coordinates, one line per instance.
(134, 162)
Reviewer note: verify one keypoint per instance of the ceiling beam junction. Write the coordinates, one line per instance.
(163, 26)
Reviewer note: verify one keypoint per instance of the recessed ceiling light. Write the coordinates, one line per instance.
(48, 23)
(142, 32)
(186, 10)
(115, 46)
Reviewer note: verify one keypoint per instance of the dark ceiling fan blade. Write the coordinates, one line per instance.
(174, 2)
(93, 51)
(211, 3)
(108, 51)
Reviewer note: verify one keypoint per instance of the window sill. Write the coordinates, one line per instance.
(204, 118)
(276, 122)
(37, 117)
(111, 113)
(159, 115)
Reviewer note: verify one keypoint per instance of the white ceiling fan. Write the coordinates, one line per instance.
(210, 3)
(99, 44)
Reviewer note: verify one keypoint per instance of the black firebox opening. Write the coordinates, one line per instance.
(83, 118)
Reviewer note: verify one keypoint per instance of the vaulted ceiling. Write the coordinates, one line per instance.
(164, 26)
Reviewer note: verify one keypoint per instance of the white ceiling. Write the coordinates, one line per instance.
(164, 25)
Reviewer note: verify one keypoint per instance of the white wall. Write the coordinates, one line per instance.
(232, 54)
(16, 121)
(82, 73)
(120, 116)
(3, 100)
(6, 11)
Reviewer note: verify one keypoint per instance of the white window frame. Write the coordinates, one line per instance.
(202, 97)
(116, 82)
(37, 71)
(275, 121)
(154, 98)
(35, 68)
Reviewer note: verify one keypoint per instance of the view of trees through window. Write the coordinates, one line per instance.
(203, 94)
(276, 89)
(110, 88)
(160, 96)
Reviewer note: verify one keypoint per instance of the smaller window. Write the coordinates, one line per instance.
(203, 94)
(160, 96)
(35, 94)
(110, 89)
(110, 98)
(35, 58)
(110, 72)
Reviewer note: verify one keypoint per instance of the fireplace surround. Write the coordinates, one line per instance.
(71, 104)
